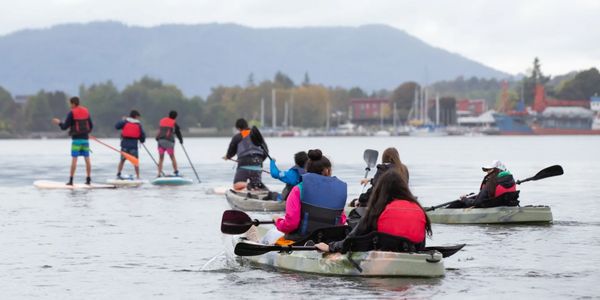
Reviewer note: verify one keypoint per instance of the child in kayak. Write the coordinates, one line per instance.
(317, 202)
(497, 181)
(390, 159)
(131, 133)
(79, 123)
(167, 131)
(293, 175)
(249, 156)
(392, 210)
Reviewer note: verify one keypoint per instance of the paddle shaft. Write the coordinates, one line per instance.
(190, 161)
(152, 157)
(128, 156)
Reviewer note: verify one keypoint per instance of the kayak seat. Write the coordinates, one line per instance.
(381, 242)
(326, 235)
(506, 199)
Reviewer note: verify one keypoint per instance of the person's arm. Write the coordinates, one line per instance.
(275, 173)
(120, 125)
(232, 150)
(178, 133)
(142, 134)
(477, 200)
(292, 212)
(67, 123)
(338, 245)
(91, 124)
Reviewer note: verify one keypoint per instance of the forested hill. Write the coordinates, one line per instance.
(198, 57)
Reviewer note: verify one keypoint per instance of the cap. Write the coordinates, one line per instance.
(496, 164)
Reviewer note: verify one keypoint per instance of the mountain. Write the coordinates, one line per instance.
(198, 57)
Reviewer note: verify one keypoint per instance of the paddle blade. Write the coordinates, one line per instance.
(446, 251)
(258, 140)
(551, 171)
(250, 249)
(132, 159)
(370, 157)
(235, 222)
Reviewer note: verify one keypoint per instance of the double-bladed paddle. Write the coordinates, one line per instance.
(132, 159)
(238, 222)
(253, 249)
(551, 171)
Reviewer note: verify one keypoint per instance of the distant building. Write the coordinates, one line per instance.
(595, 103)
(370, 110)
(471, 107)
(22, 99)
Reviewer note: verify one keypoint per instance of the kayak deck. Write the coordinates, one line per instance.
(253, 201)
(492, 215)
(372, 263)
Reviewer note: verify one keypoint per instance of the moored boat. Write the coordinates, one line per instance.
(492, 215)
(254, 201)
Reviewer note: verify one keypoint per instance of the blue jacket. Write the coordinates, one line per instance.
(292, 176)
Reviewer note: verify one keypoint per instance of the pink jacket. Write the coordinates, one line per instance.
(291, 221)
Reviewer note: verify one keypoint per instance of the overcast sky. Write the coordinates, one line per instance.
(504, 34)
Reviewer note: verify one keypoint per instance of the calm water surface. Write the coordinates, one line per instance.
(153, 242)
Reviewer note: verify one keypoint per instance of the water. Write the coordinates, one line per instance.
(156, 242)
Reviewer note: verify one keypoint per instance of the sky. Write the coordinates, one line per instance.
(505, 34)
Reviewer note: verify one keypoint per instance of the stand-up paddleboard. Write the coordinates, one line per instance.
(172, 180)
(55, 185)
(221, 190)
(126, 182)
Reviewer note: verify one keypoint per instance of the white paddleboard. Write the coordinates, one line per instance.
(48, 184)
(172, 180)
(221, 190)
(126, 182)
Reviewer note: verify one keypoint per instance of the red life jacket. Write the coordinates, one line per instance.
(404, 219)
(81, 121)
(166, 127)
(501, 190)
(131, 130)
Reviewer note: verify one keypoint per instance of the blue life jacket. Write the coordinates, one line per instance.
(322, 201)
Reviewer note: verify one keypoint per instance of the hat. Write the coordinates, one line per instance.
(496, 164)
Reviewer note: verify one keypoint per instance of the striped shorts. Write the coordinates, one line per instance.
(80, 147)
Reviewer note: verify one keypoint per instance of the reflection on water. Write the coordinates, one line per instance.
(165, 242)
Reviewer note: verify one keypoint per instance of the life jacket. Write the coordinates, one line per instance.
(131, 130)
(166, 126)
(288, 187)
(505, 183)
(403, 219)
(322, 201)
(81, 121)
(246, 148)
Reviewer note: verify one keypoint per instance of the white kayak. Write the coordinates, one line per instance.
(253, 201)
(126, 182)
(56, 185)
(492, 215)
(372, 263)
(171, 180)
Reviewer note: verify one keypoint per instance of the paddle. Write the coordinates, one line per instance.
(258, 140)
(444, 204)
(370, 157)
(551, 171)
(253, 249)
(132, 159)
(190, 161)
(152, 157)
(254, 168)
(238, 222)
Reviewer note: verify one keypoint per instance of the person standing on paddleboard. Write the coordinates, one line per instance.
(248, 155)
(131, 133)
(167, 130)
(79, 123)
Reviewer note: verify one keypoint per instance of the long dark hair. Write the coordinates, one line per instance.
(317, 163)
(391, 156)
(490, 181)
(390, 186)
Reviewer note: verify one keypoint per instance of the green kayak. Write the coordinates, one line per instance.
(373, 263)
(492, 215)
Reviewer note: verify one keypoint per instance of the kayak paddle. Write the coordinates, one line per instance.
(132, 159)
(238, 222)
(370, 157)
(152, 157)
(253, 249)
(551, 171)
(190, 161)
(258, 140)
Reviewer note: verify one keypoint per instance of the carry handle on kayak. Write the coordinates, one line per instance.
(551, 171)
(253, 249)
(238, 222)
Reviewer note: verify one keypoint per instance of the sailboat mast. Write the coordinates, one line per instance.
(273, 109)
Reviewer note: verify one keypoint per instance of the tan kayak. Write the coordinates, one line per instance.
(253, 201)
(492, 215)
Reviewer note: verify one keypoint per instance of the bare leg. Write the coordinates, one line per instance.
(161, 158)
(137, 172)
(240, 185)
(88, 167)
(120, 167)
(174, 161)
(73, 166)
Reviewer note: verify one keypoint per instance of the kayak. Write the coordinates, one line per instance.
(492, 215)
(171, 180)
(372, 263)
(56, 185)
(253, 201)
(126, 182)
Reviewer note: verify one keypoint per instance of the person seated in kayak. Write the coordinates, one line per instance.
(131, 133)
(167, 131)
(393, 210)
(497, 181)
(390, 159)
(249, 156)
(316, 202)
(293, 175)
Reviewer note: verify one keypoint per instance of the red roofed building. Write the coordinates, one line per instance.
(471, 107)
(368, 110)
